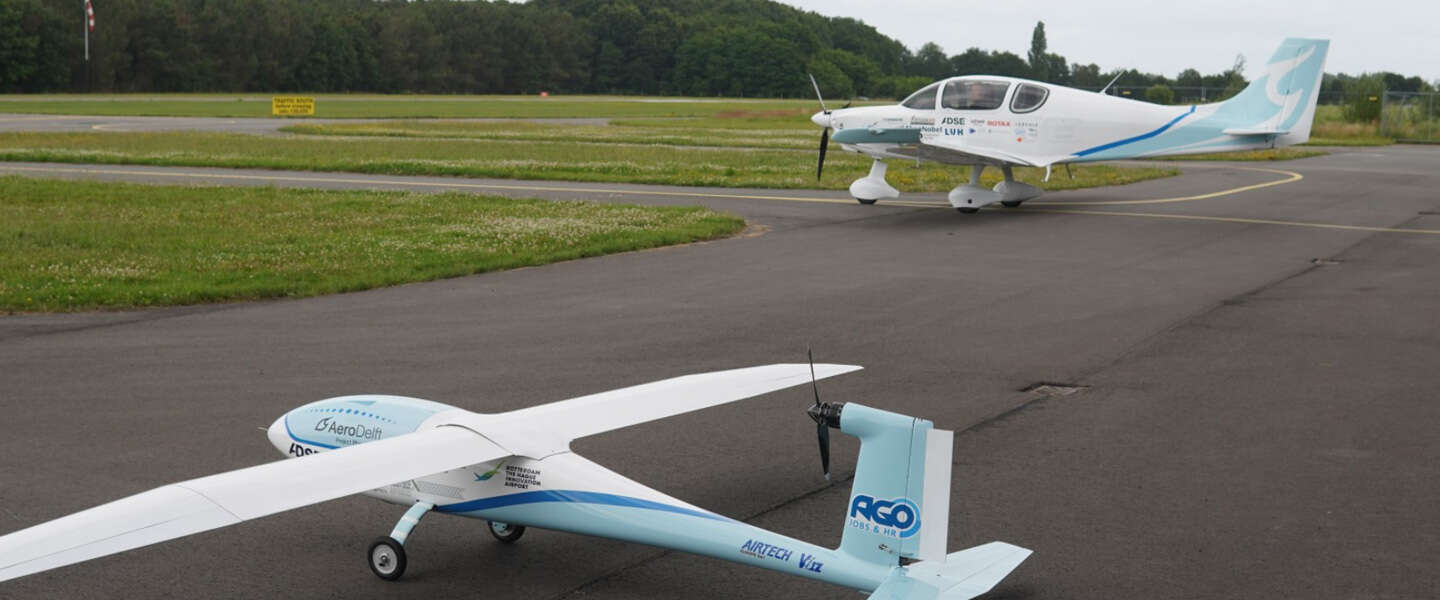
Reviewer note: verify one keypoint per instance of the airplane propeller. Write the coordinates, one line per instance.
(824, 135)
(825, 415)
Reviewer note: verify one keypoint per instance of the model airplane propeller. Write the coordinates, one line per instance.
(516, 470)
(983, 120)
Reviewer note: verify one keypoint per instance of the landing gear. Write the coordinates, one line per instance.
(872, 187)
(1015, 192)
(968, 198)
(387, 558)
(387, 554)
(507, 533)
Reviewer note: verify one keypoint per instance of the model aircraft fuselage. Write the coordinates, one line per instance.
(983, 120)
(559, 491)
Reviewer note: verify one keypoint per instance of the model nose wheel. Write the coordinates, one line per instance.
(387, 558)
(387, 554)
(506, 532)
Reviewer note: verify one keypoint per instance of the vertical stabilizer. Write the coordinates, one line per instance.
(900, 501)
(1281, 101)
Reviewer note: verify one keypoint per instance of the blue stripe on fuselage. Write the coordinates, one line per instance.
(574, 496)
(1137, 138)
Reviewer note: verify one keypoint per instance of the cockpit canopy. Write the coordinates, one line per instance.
(977, 94)
(974, 94)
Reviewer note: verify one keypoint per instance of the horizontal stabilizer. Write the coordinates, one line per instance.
(963, 575)
(1244, 131)
(207, 503)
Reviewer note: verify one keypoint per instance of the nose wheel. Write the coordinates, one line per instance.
(387, 554)
(387, 558)
(505, 532)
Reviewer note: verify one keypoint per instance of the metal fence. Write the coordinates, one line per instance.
(1411, 116)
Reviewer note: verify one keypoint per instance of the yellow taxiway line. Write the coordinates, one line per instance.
(1291, 177)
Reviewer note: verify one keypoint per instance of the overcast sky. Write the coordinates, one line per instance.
(1166, 37)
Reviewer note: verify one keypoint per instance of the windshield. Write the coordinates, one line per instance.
(923, 99)
(974, 94)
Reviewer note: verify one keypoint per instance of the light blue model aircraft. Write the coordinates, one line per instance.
(516, 470)
(984, 120)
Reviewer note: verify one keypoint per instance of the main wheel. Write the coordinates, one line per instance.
(1011, 203)
(387, 558)
(506, 532)
(867, 202)
(969, 210)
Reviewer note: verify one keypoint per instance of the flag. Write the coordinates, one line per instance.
(89, 16)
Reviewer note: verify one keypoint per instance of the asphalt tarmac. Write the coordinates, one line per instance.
(1256, 418)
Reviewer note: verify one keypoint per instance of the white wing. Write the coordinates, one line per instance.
(207, 503)
(955, 151)
(547, 429)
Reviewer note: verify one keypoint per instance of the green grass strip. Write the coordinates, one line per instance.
(394, 106)
(70, 245)
(554, 160)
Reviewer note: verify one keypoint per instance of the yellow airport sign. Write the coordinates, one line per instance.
(291, 106)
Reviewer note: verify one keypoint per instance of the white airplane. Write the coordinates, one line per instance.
(516, 470)
(983, 120)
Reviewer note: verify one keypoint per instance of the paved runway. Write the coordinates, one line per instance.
(1258, 417)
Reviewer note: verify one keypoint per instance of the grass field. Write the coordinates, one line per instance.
(342, 106)
(519, 159)
(1331, 129)
(742, 129)
(67, 246)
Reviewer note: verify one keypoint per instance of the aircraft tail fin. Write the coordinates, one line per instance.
(900, 500)
(1281, 102)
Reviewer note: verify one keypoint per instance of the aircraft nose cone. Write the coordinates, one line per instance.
(821, 119)
(279, 436)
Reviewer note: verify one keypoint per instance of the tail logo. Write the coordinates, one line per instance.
(897, 518)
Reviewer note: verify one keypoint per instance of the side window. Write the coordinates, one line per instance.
(974, 94)
(1028, 97)
(923, 99)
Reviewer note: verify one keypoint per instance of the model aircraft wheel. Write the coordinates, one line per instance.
(969, 210)
(506, 532)
(387, 558)
(866, 202)
(1011, 203)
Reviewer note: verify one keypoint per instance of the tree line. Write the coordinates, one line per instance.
(736, 48)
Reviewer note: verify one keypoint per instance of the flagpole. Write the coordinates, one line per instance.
(86, 11)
